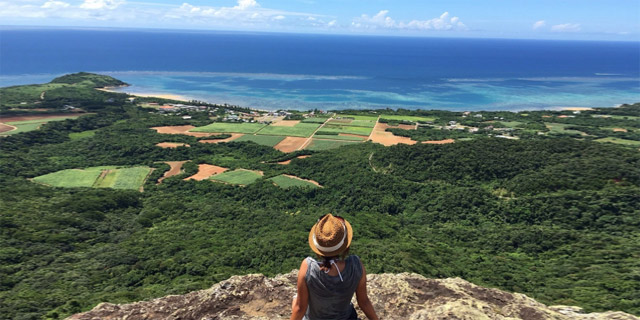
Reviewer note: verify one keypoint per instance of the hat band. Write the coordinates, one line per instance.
(334, 248)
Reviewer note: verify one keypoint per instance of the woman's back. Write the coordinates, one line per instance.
(330, 296)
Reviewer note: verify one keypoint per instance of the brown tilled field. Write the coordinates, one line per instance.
(379, 135)
(205, 171)
(619, 130)
(176, 167)
(445, 141)
(183, 130)
(233, 137)
(6, 127)
(171, 145)
(289, 161)
(285, 123)
(290, 144)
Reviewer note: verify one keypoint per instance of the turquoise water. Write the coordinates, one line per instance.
(272, 71)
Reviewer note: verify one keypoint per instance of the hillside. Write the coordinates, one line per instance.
(394, 296)
(139, 200)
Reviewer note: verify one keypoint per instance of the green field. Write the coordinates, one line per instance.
(336, 137)
(287, 182)
(407, 118)
(120, 178)
(238, 177)
(314, 120)
(620, 141)
(301, 129)
(511, 124)
(31, 125)
(358, 117)
(618, 117)
(319, 145)
(234, 127)
(560, 128)
(71, 178)
(353, 123)
(82, 135)
(269, 141)
(364, 131)
(131, 178)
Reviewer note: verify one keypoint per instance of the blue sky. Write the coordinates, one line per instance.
(528, 19)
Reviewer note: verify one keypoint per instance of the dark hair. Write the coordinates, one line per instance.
(326, 261)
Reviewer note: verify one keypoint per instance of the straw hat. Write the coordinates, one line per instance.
(330, 236)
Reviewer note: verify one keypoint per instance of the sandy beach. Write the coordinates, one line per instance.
(575, 108)
(147, 94)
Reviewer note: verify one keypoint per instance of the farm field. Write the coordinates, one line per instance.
(353, 123)
(268, 141)
(357, 117)
(71, 178)
(239, 127)
(205, 171)
(97, 177)
(285, 181)
(238, 177)
(620, 141)
(555, 128)
(290, 144)
(407, 118)
(299, 130)
(364, 131)
(338, 137)
(31, 124)
(314, 120)
(318, 145)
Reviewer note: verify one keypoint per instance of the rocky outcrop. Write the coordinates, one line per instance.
(394, 296)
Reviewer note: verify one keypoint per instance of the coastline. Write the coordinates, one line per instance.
(169, 96)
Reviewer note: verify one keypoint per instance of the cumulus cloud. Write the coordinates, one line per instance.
(539, 24)
(382, 21)
(566, 27)
(246, 4)
(100, 4)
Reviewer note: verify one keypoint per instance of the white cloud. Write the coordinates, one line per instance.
(101, 4)
(539, 24)
(566, 27)
(280, 17)
(246, 4)
(52, 4)
(332, 23)
(382, 21)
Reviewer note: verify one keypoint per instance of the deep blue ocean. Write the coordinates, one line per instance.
(271, 71)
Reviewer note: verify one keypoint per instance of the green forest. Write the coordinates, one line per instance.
(551, 216)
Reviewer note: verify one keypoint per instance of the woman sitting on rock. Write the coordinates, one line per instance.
(325, 288)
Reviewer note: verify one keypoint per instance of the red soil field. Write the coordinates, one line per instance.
(233, 137)
(171, 145)
(176, 167)
(290, 144)
(445, 141)
(205, 171)
(6, 127)
(183, 130)
(289, 161)
(379, 135)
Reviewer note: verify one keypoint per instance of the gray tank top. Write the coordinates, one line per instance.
(330, 298)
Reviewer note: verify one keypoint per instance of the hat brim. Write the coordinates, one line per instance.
(344, 247)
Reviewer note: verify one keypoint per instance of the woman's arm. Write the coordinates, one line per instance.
(301, 302)
(363, 299)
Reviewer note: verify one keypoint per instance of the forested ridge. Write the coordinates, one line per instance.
(555, 218)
